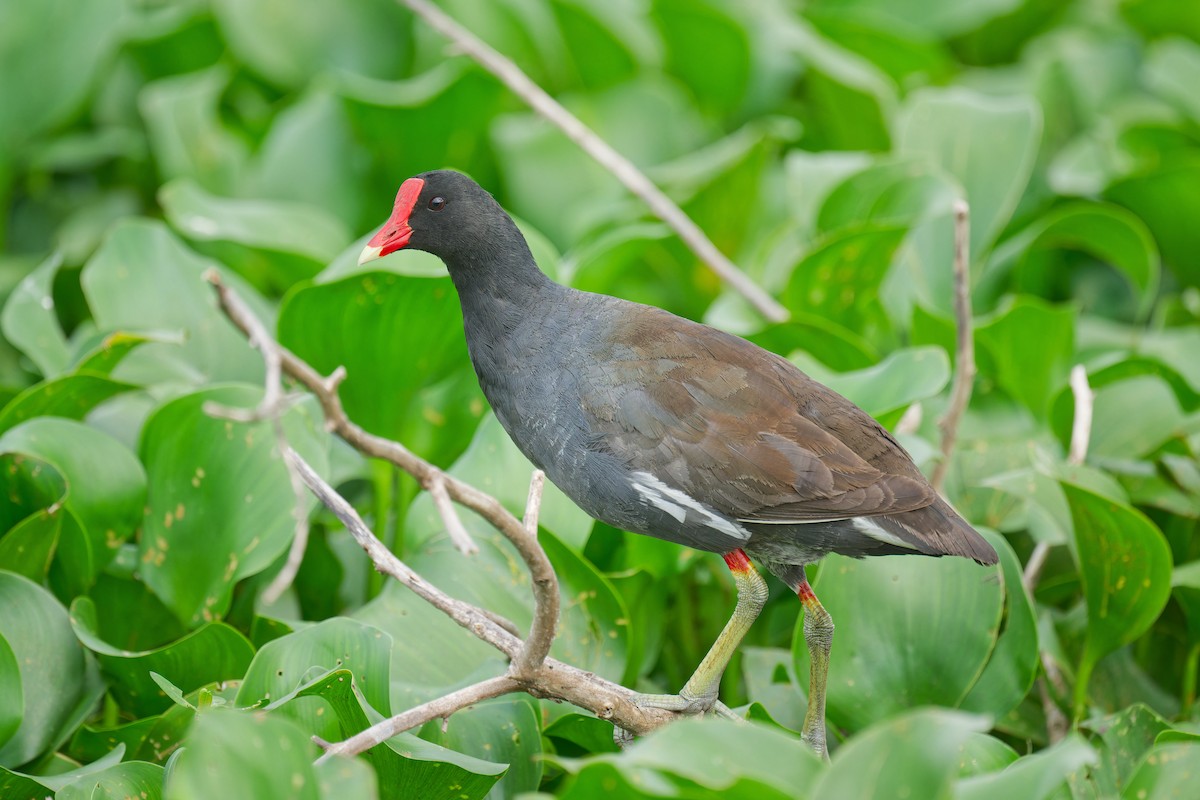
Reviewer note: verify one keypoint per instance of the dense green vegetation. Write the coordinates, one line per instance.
(822, 145)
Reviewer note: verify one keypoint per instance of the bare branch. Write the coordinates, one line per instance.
(622, 168)
(544, 627)
(541, 676)
(272, 407)
(442, 707)
(1081, 427)
(454, 526)
(964, 374)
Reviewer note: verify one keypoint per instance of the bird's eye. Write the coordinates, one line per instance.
(437, 204)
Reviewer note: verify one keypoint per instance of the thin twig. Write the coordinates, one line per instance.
(454, 525)
(621, 168)
(1081, 427)
(544, 676)
(443, 707)
(964, 362)
(272, 407)
(543, 629)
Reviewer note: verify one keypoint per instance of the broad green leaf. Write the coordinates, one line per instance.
(144, 279)
(606, 43)
(989, 144)
(406, 766)
(50, 661)
(1163, 199)
(503, 730)
(151, 739)
(12, 701)
(233, 753)
(45, 78)
(1125, 567)
(840, 278)
(1123, 739)
(944, 17)
(713, 753)
(398, 335)
(111, 349)
(1027, 349)
(1133, 418)
(1013, 664)
(283, 664)
(290, 47)
(347, 777)
(1107, 233)
(63, 773)
(1172, 70)
(106, 486)
(186, 133)
(213, 652)
(1169, 771)
(28, 546)
(835, 346)
(1185, 583)
(71, 396)
(219, 501)
(708, 49)
(1034, 777)
(895, 192)
(906, 756)
(911, 631)
(29, 323)
(31, 485)
(271, 225)
(118, 782)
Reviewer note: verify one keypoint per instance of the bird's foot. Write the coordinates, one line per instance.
(816, 741)
(682, 703)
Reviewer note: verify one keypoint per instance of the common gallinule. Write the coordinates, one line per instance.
(662, 426)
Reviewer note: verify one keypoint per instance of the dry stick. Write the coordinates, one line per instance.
(964, 375)
(620, 167)
(1057, 724)
(272, 407)
(441, 707)
(548, 677)
(528, 660)
(454, 526)
(545, 582)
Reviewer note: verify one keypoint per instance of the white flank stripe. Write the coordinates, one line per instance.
(677, 504)
(872, 528)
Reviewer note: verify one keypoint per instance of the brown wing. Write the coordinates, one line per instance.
(740, 428)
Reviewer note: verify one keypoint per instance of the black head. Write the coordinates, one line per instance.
(447, 214)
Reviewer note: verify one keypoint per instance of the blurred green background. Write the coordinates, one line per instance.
(822, 145)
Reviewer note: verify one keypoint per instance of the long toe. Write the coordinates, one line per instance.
(683, 702)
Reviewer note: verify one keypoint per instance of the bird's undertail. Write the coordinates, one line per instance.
(938, 530)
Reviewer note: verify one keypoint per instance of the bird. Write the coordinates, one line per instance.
(662, 426)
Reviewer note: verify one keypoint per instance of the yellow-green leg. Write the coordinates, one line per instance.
(699, 694)
(818, 636)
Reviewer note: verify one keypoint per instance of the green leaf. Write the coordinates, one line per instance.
(398, 335)
(29, 322)
(1163, 198)
(1124, 740)
(840, 279)
(51, 665)
(71, 396)
(911, 631)
(907, 756)
(29, 545)
(186, 134)
(1027, 349)
(1169, 771)
(1034, 777)
(272, 225)
(713, 753)
(239, 754)
(219, 503)
(1109, 234)
(1014, 662)
(1125, 567)
(213, 652)
(505, 730)
(46, 77)
(1172, 70)
(944, 17)
(106, 486)
(989, 144)
(118, 782)
(284, 663)
(370, 37)
(144, 279)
